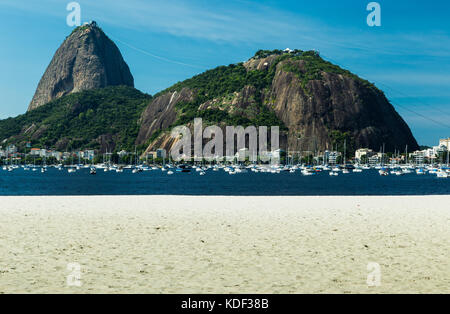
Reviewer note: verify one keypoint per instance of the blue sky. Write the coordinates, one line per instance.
(408, 56)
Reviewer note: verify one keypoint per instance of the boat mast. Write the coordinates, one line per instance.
(448, 150)
(345, 152)
(406, 154)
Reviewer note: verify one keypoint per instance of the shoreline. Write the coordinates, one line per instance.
(221, 244)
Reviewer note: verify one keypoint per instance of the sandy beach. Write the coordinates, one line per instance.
(175, 244)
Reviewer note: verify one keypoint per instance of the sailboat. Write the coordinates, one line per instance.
(79, 162)
(345, 170)
(137, 168)
(383, 172)
(44, 166)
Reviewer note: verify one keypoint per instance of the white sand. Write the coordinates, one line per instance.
(170, 244)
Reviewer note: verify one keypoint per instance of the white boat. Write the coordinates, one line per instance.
(420, 171)
(345, 171)
(334, 174)
(240, 170)
(169, 172)
(71, 170)
(442, 174)
(383, 172)
(202, 173)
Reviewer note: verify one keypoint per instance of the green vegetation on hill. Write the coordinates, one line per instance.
(220, 83)
(79, 119)
(314, 65)
(79, 29)
(224, 80)
(83, 28)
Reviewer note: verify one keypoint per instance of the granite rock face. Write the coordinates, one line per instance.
(336, 103)
(160, 114)
(86, 60)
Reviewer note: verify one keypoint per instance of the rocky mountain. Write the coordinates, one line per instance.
(86, 60)
(86, 99)
(318, 104)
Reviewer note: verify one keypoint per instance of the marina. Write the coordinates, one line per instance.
(252, 180)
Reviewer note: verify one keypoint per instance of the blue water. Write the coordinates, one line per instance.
(54, 182)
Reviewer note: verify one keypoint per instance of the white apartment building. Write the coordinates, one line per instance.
(360, 153)
(445, 142)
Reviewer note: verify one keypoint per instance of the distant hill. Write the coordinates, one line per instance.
(318, 103)
(101, 119)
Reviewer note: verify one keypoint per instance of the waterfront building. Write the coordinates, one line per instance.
(363, 152)
(445, 142)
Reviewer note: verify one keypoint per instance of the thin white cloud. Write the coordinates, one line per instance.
(244, 22)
